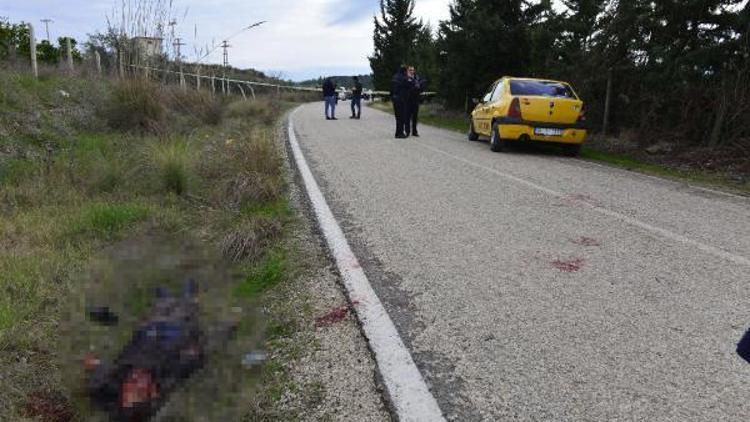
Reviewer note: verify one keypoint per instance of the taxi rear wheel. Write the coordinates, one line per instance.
(572, 150)
(497, 144)
(473, 136)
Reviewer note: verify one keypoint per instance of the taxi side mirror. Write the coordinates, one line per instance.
(476, 101)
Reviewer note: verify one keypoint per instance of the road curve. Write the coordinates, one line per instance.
(537, 287)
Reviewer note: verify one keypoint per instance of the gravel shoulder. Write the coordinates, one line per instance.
(536, 287)
(320, 368)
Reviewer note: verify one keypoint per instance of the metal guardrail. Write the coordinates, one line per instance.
(240, 82)
(250, 84)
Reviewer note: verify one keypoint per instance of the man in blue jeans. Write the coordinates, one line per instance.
(356, 99)
(330, 96)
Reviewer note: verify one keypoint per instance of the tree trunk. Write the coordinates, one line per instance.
(715, 139)
(607, 101)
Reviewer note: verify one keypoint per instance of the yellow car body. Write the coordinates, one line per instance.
(529, 109)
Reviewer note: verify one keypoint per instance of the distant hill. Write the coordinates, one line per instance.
(242, 74)
(345, 81)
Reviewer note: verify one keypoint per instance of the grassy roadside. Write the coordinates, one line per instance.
(594, 151)
(110, 189)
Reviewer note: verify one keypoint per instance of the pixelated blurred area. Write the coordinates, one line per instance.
(159, 333)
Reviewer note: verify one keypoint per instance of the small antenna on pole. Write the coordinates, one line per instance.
(225, 45)
(177, 44)
(46, 22)
(171, 25)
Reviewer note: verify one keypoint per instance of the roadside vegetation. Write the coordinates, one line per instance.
(726, 171)
(111, 188)
(675, 74)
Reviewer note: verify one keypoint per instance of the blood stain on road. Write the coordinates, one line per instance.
(578, 199)
(569, 266)
(334, 316)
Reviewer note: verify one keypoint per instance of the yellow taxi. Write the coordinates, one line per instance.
(527, 109)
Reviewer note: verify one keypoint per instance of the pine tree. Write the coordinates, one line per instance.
(484, 40)
(425, 57)
(394, 38)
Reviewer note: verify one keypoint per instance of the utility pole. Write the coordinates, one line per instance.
(177, 44)
(98, 58)
(225, 45)
(69, 53)
(32, 45)
(46, 22)
(172, 24)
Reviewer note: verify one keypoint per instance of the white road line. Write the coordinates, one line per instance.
(407, 389)
(737, 259)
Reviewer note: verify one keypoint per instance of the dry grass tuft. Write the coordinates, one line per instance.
(248, 241)
(266, 111)
(136, 105)
(249, 188)
(201, 106)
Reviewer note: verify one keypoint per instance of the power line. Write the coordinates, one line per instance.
(256, 24)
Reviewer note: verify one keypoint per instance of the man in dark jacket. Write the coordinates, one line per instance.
(400, 87)
(418, 86)
(330, 97)
(356, 98)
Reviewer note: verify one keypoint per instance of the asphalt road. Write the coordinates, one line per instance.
(529, 286)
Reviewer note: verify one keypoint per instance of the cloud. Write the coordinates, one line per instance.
(301, 38)
(348, 11)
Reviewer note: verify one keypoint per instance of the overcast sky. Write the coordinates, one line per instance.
(302, 39)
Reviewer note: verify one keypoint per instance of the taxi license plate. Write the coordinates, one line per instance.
(544, 131)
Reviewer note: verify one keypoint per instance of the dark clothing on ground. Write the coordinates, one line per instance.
(743, 347)
(400, 88)
(329, 88)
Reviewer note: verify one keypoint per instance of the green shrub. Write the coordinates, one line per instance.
(15, 171)
(108, 219)
(267, 274)
(173, 160)
(136, 104)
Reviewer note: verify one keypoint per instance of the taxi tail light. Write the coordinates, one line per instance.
(515, 109)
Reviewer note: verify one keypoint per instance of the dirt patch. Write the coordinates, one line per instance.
(586, 241)
(731, 163)
(48, 406)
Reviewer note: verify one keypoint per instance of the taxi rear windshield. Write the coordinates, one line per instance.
(540, 88)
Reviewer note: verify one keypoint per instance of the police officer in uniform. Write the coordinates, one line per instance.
(400, 89)
(356, 98)
(418, 86)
